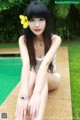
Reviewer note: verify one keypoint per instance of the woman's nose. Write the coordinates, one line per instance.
(37, 23)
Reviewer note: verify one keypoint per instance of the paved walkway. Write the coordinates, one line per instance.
(9, 51)
(59, 102)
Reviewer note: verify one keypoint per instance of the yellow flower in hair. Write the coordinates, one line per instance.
(24, 21)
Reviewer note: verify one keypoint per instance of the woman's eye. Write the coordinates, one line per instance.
(41, 19)
(31, 20)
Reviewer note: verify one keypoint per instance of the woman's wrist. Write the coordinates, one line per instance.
(23, 92)
(36, 92)
(23, 97)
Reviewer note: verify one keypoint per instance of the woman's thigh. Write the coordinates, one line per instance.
(32, 78)
(53, 81)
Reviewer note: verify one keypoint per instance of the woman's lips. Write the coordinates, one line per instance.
(37, 30)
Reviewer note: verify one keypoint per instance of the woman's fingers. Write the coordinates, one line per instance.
(17, 113)
(36, 113)
(32, 112)
(33, 108)
(25, 114)
(21, 109)
(28, 109)
(21, 114)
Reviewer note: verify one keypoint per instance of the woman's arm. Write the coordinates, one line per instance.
(40, 78)
(25, 67)
(23, 99)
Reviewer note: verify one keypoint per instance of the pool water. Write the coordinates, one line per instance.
(10, 72)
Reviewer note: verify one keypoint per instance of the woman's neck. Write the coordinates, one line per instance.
(39, 38)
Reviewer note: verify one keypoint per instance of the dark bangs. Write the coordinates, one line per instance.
(37, 10)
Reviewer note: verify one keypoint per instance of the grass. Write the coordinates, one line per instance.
(74, 64)
(8, 45)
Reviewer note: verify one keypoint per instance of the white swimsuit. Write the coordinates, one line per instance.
(39, 61)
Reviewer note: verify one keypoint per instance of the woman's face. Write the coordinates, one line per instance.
(37, 25)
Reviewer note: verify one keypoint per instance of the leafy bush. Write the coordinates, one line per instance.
(10, 25)
(66, 19)
(9, 19)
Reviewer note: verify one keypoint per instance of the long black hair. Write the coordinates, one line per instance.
(38, 10)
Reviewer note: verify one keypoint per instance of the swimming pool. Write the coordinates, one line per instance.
(10, 71)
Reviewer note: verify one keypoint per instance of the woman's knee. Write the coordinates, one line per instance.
(57, 80)
(54, 81)
(57, 76)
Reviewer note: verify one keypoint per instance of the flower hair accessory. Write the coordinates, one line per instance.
(24, 21)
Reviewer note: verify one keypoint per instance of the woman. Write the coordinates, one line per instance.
(38, 47)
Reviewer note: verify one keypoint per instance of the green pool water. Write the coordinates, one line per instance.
(10, 71)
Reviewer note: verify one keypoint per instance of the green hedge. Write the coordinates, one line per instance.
(10, 26)
(65, 19)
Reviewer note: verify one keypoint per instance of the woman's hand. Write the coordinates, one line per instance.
(34, 105)
(21, 109)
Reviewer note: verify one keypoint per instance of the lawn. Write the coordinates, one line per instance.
(74, 64)
(8, 45)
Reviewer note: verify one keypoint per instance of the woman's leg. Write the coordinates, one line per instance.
(44, 94)
(44, 97)
(53, 81)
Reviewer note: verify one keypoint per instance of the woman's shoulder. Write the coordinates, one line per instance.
(55, 37)
(22, 39)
